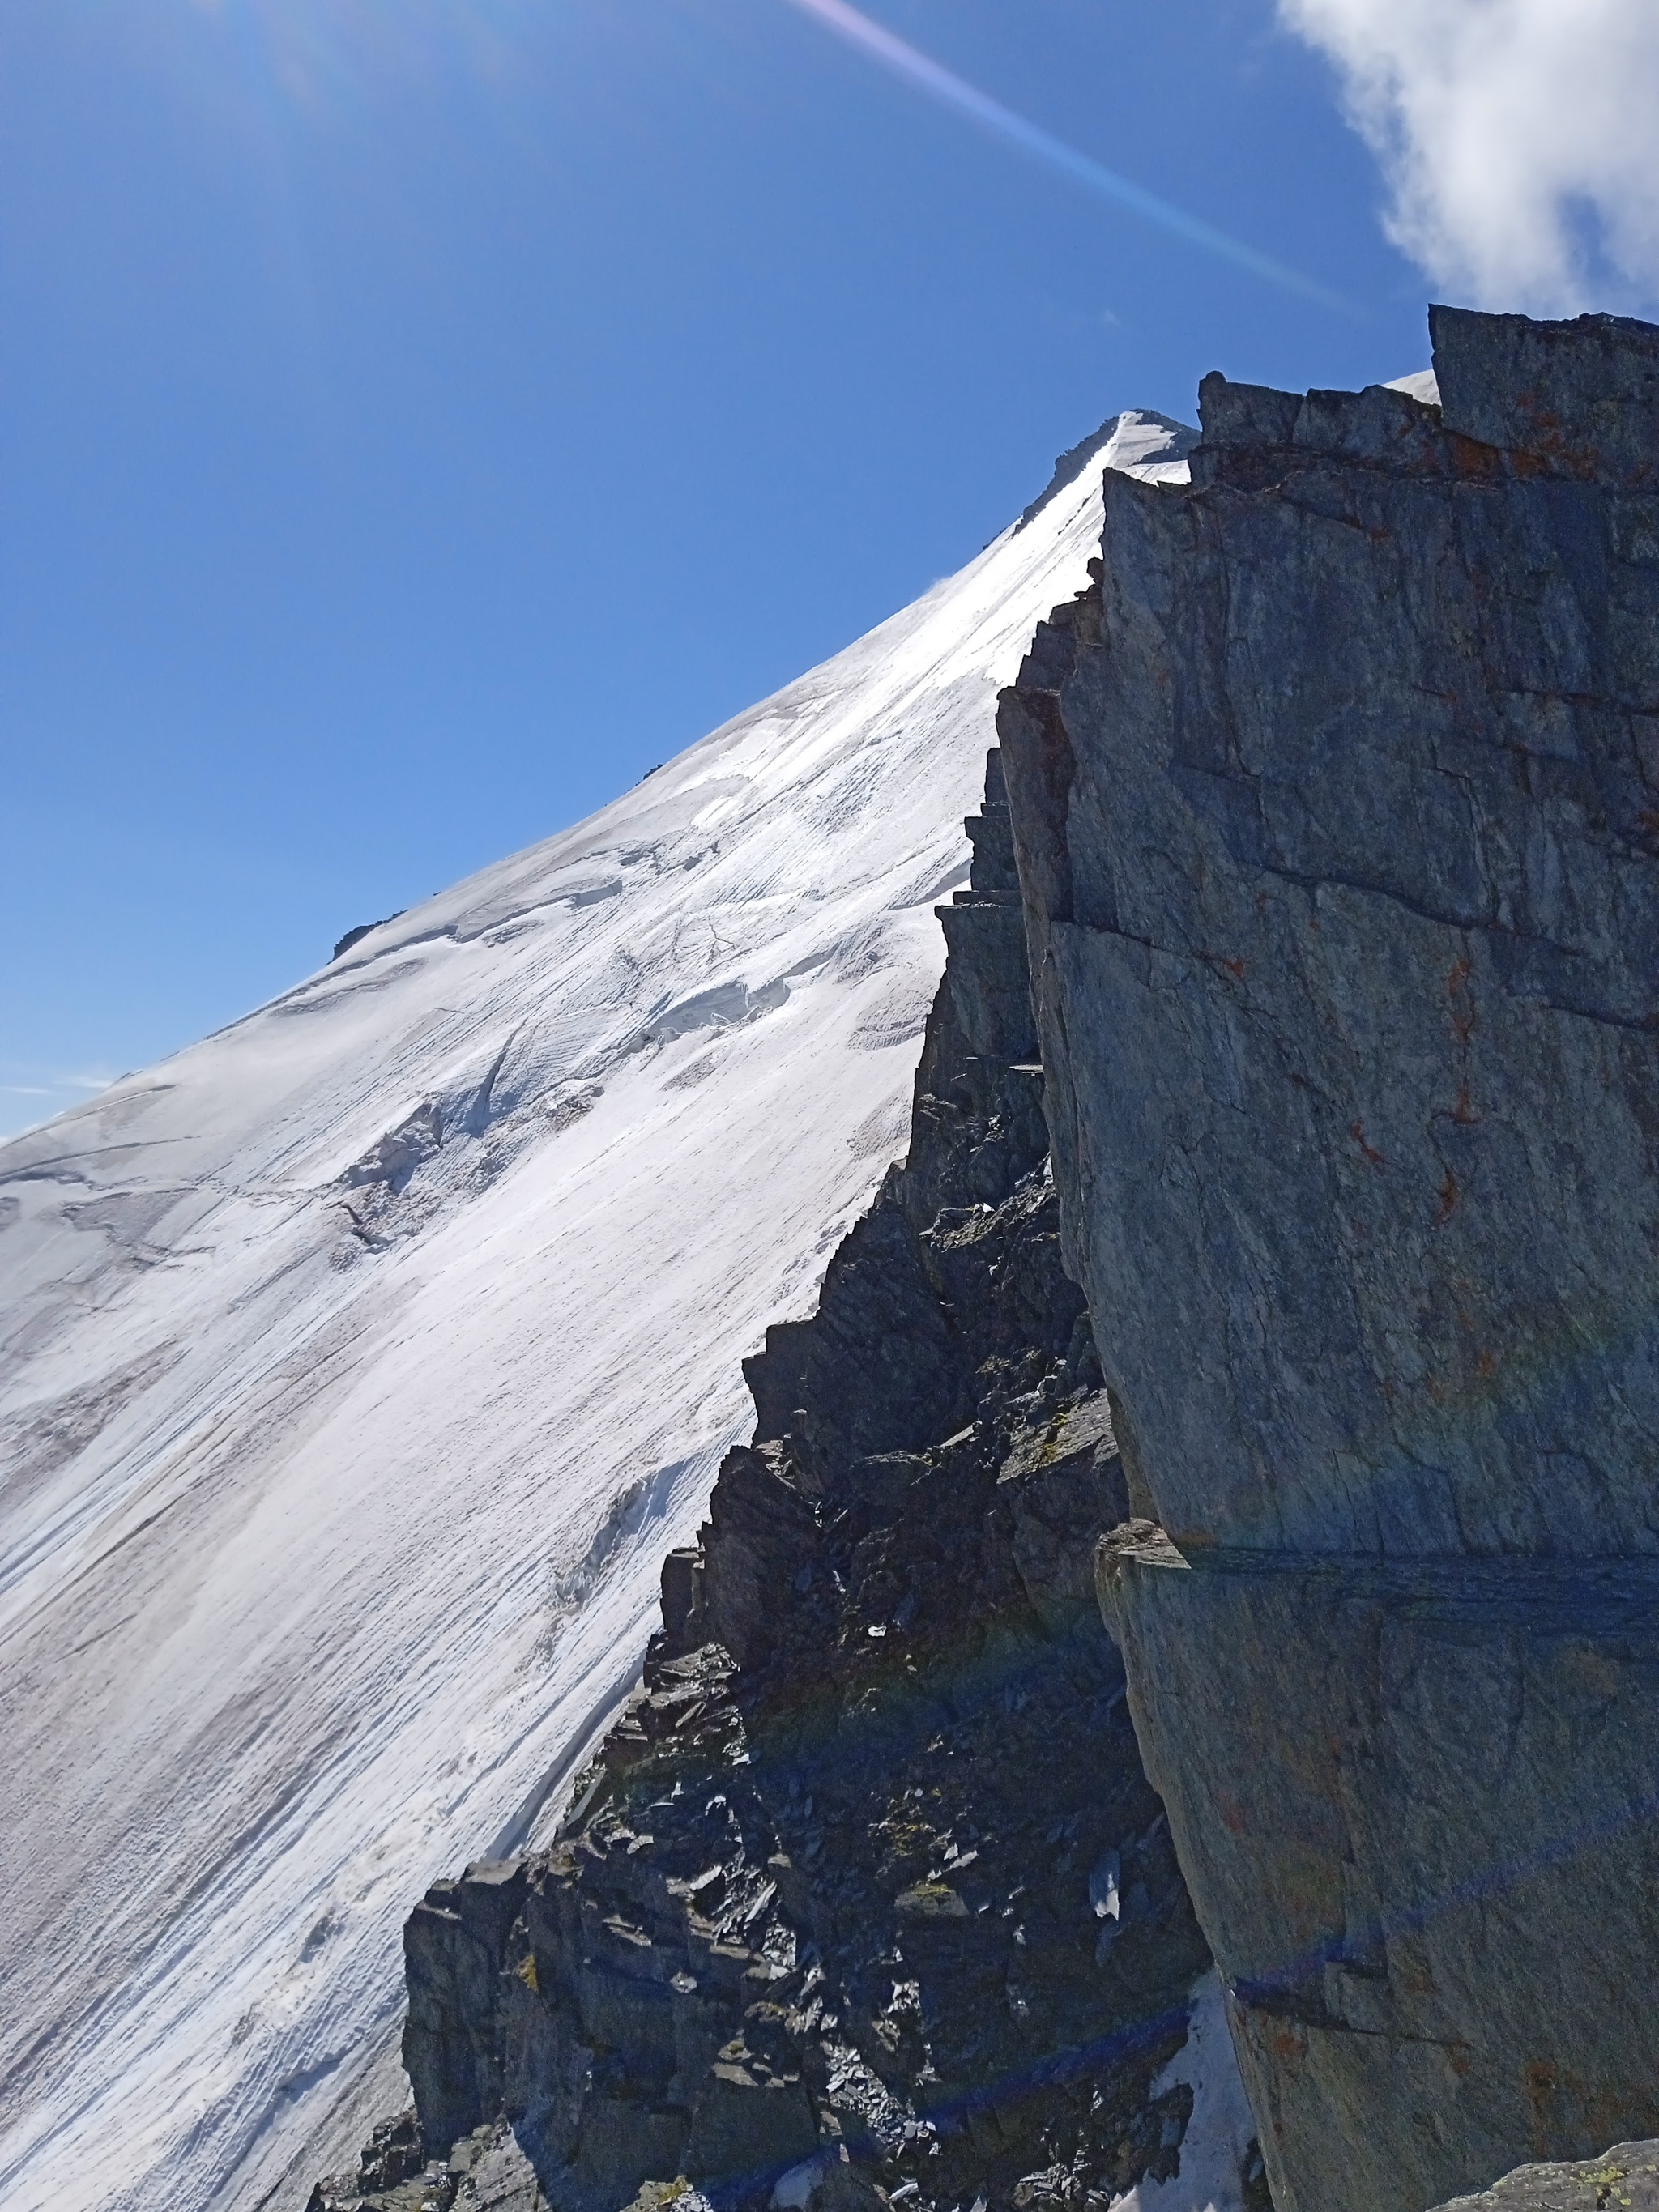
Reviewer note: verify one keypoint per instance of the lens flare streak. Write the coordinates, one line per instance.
(915, 68)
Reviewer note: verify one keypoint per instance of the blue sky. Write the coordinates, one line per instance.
(416, 419)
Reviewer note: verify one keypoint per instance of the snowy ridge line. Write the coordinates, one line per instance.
(541, 1808)
(296, 1517)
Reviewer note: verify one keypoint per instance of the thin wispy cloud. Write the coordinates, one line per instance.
(915, 68)
(41, 1092)
(1519, 139)
(48, 1083)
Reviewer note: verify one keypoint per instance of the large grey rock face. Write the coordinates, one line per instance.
(1337, 801)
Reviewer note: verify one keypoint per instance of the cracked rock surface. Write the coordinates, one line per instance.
(866, 1899)
(1337, 806)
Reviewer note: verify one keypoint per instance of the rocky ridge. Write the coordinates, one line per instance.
(1337, 806)
(866, 1899)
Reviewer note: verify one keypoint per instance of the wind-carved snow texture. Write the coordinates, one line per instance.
(362, 1362)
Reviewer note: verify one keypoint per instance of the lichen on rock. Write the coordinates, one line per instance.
(1623, 2179)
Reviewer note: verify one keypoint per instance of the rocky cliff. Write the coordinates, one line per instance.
(1337, 802)
(867, 1898)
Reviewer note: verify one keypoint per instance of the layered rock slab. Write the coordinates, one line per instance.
(1335, 802)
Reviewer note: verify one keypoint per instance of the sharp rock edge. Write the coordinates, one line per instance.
(832, 1915)
(1336, 812)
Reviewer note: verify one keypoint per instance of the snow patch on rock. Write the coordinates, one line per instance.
(1216, 2146)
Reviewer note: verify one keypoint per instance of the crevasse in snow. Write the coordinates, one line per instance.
(358, 1363)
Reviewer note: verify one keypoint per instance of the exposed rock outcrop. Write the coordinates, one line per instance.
(867, 1889)
(1337, 802)
(363, 929)
(1624, 2179)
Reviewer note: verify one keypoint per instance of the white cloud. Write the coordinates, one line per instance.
(1520, 139)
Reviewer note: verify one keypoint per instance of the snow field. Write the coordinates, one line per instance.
(358, 1364)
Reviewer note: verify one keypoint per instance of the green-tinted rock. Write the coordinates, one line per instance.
(1624, 2179)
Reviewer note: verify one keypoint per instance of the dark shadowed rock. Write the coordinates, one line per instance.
(829, 1911)
(363, 929)
(452, 1946)
(1337, 802)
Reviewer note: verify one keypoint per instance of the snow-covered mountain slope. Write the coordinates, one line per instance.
(360, 1362)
